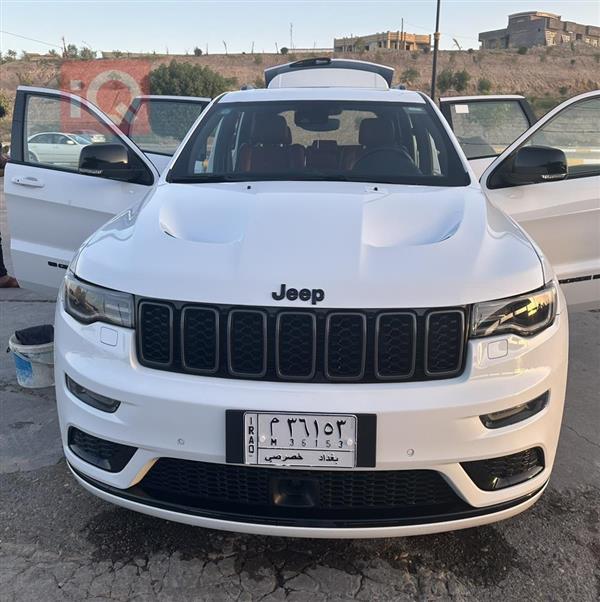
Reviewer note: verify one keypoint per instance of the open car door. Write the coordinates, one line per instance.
(486, 125)
(157, 124)
(53, 204)
(548, 180)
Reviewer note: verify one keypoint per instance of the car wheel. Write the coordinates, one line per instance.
(32, 157)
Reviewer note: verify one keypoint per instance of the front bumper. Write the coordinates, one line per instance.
(431, 425)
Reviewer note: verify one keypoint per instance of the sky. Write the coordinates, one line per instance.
(177, 26)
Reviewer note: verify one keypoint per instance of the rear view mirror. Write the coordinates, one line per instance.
(114, 162)
(315, 120)
(532, 165)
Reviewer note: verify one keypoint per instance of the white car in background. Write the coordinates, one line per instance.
(315, 321)
(56, 148)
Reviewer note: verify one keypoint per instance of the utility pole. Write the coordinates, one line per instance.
(436, 44)
(402, 34)
(291, 36)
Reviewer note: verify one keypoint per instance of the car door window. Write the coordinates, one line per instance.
(48, 120)
(485, 128)
(575, 131)
(158, 126)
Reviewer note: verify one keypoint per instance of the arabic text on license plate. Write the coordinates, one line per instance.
(327, 440)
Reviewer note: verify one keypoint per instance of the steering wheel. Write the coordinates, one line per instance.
(386, 160)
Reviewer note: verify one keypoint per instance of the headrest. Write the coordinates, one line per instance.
(376, 131)
(269, 128)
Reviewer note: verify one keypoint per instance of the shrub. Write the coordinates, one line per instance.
(284, 50)
(563, 90)
(197, 51)
(484, 85)
(409, 75)
(87, 54)
(597, 57)
(573, 61)
(187, 79)
(461, 80)
(445, 80)
(470, 51)
(258, 59)
(5, 105)
(522, 50)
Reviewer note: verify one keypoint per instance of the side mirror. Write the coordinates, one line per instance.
(114, 162)
(535, 164)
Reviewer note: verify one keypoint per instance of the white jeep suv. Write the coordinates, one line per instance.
(315, 322)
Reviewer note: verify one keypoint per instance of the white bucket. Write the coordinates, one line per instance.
(34, 363)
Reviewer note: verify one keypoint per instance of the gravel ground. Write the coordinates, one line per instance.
(57, 542)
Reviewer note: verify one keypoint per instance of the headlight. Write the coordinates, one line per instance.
(88, 303)
(524, 315)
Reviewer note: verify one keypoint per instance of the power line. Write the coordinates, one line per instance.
(16, 35)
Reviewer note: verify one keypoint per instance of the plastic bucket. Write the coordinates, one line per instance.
(34, 363)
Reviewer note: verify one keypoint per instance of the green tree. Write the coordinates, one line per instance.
(71, 52)
(11, 55)
(187, 79)
(460, 80)
(87, 54)
(445, 80)
(284, 50)
(197, 51)
(484, 86)
(409, 75)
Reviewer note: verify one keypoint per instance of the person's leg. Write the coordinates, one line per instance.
(6, 281)
(2, 266)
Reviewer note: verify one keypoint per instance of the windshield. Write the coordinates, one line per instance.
(382, 142)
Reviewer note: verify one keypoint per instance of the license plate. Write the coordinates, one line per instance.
(325, 440)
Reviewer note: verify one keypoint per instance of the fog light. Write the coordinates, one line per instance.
(496, 420)
(106, 404)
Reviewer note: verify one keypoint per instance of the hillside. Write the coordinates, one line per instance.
(544, 75)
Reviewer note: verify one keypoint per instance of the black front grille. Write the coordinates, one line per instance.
(316, 345)
(104, 454)
(504, 471)
(253, 490)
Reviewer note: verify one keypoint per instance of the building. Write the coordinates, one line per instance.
(536, 28)
(394, 40)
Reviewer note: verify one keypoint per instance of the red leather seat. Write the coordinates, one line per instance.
(374, 132)
(269, 149)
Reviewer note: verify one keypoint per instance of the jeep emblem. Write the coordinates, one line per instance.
(304, 294)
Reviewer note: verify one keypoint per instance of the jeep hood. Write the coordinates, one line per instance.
(364, 245)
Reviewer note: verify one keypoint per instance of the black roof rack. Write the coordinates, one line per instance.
(330, 63)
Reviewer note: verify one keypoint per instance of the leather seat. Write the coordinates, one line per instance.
(323, 154)
(374, 132)
(269, 149)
